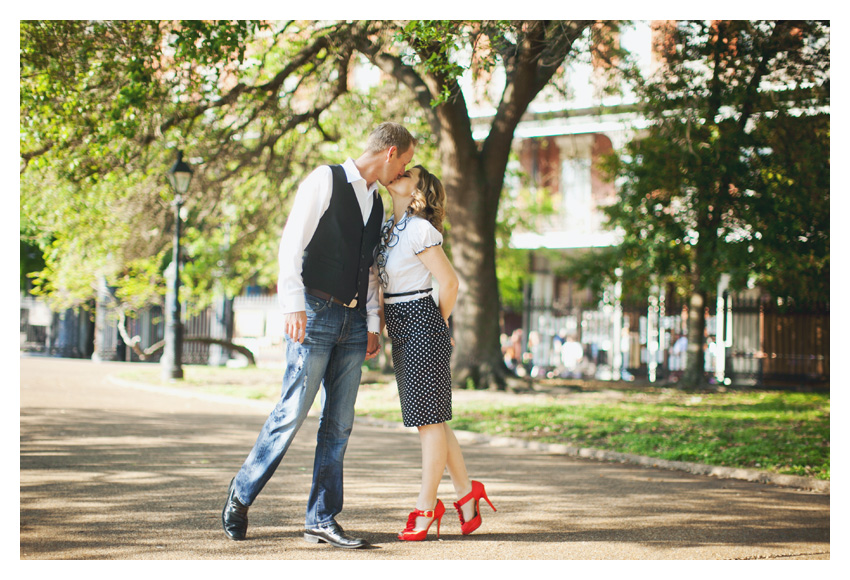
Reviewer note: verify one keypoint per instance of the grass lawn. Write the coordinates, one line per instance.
(779, 432)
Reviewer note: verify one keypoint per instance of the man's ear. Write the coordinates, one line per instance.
(390, 151)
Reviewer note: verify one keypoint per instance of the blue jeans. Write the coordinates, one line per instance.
(332, 354)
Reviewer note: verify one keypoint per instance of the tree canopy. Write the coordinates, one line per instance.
(106, 104)
(733, 174)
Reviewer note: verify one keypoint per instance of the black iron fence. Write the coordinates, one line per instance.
(82, 333)
(149, 326)
(68, 334)
(772, 344)
(779, 343)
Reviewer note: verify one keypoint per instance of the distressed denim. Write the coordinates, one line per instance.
(332, 355)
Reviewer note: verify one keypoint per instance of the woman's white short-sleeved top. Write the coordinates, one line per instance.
(403, 271)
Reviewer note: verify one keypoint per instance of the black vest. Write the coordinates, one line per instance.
(339, 255)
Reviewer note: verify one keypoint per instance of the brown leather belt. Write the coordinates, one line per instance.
(326, 296)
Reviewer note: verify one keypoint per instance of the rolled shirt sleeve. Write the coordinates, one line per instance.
(373, 303)
(311, 202)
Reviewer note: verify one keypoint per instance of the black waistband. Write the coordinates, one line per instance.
(387, 295)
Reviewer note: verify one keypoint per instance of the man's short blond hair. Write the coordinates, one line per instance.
(388, 135)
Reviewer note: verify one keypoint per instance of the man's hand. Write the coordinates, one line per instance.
(373, 345)
(295, 325)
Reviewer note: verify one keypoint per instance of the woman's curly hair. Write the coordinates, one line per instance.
(429, 199)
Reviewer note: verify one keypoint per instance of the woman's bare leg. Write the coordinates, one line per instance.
(440, 449)
(434, 458)
(457, 470)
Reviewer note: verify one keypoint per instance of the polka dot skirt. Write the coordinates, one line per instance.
(422, 352)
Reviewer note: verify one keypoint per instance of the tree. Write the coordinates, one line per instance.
(103, 105)
(733, 174)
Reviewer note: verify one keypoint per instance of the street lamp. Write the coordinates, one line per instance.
(179, 176)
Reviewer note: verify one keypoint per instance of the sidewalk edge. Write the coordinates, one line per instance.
(796, 481)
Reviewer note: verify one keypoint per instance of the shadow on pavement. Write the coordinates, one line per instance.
(111, 472)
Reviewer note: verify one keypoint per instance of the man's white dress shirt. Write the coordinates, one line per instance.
(311, 202)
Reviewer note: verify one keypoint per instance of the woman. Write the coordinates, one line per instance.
(409, 254)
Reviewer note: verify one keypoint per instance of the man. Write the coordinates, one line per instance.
(330, 301)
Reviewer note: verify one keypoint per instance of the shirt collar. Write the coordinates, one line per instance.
(353, 174)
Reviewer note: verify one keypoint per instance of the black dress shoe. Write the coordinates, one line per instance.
(334, 535)
(234, 516)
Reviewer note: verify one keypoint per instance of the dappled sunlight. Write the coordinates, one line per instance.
(129, 474)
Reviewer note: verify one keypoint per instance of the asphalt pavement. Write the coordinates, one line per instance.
(113, 471)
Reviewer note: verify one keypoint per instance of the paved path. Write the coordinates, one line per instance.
(111, 472)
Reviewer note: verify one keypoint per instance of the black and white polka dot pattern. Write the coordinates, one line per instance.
(422, 352)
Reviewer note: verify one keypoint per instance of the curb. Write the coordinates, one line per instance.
(795, 481)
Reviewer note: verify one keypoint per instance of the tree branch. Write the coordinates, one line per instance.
(271, 89)
(559, 39)
(393, 66)
(538, 55)
(243, 350)
(772, 49)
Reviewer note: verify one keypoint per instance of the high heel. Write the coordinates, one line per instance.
(408, 535)
(475, 495)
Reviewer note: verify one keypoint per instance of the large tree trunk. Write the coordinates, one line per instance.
(471, 213)
(477, 359)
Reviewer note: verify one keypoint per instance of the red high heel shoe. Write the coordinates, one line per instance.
(408, 535)
(476, 494)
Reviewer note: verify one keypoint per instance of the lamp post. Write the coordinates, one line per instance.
(179, 176)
